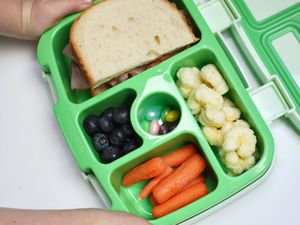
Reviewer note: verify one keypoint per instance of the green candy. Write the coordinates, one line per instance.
(172, 116)
(145, 125)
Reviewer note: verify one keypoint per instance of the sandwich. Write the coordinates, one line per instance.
(116, 39)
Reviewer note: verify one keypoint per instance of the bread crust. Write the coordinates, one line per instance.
(75, 49)
(184, 19)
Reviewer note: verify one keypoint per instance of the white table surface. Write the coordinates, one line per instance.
(38, 170)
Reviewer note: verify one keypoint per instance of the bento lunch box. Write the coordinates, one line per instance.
(153, 86)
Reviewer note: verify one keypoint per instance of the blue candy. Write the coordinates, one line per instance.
(153, 113)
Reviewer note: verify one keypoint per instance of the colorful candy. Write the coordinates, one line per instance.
(153, 113)
(154, 127)
(145, 124)
(164, 114)
(164, 128)
(172, 116)
(159, 120)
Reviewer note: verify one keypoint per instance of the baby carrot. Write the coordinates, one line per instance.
(196, 180)
(152, 168)
(169, 186)
(184, 198)
(149, 187)
(177, 157)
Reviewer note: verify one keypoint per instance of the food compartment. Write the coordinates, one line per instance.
(107, 127)
(130, 195)
(159, 114)
(221, 123)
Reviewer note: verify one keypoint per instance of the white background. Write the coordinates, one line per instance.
(39, 172)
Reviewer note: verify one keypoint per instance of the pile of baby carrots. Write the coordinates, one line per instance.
(176, 180)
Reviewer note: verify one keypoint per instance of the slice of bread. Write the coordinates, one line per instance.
(115, 36)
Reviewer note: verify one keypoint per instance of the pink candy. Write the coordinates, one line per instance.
(154, 127)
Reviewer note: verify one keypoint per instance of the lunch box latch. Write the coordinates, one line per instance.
(91, 178)
(48, 79)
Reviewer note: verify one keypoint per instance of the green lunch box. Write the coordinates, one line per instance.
(158, 86)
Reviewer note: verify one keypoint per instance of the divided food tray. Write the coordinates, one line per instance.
(158, 85)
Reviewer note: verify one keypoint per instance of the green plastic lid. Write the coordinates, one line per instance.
(266, 34)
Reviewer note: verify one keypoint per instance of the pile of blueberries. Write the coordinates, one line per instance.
(111, 133)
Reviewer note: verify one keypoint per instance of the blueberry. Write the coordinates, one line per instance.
(100, 142)
(128, 130)
(110, 154)
(117, 136)
(121, 115)
(90, 124)
(130, 146)
(105, 125)
(108, 113)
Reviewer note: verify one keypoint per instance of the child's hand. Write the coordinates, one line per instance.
(39, 15)
(28, 19)
(119, 218)
(68, 217)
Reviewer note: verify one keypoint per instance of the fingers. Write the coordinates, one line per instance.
(45, 13)
(61, 8)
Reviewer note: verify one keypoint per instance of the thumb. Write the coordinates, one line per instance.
(62, 8)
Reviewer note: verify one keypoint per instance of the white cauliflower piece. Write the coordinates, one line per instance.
(241, 165)
(193, 104)
(231, 157)
(213, 136)
(231, 113)
(227, 126)
(235, 163)
(185, 91)
(188, 80)
(208, 97)
(212, 78)
(227, 102)
(213, 117)
(242, 123)
(240, 139)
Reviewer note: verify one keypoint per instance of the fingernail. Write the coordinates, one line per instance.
(87, 2)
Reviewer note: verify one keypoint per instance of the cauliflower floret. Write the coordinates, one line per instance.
(208, 97)
(242, 123)
(213, 136)
(185, 91)
(188, 80)
(236, 164)
(231, 157)
(231, 113)
(193, 104)
(213, 117)
(212, 78)
(240, 139)
(227, 102)
(241, 165)
(227, 126)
